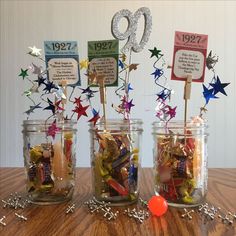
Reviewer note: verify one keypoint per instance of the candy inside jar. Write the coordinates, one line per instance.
(115, 160)
(180, 160)
(49, 162)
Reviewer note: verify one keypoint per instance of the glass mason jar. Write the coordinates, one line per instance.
(180, 162)
(49, 162)
(115, 160)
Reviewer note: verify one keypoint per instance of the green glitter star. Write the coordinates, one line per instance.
(156, 53)
(23, 73)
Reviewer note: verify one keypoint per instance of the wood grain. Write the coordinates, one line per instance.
(52, 220)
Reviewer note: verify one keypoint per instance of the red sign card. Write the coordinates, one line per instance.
(189, 56)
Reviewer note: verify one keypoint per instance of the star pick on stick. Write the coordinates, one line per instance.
(84, 64)
(23, 73)
(40, 80)
(208, 93)
(78, 101)
(49, 86)
(158, 73)
(211, 61)
(133, 67)
(129, 105)
(53, 129)
(219, 87)
(81, 111)
(32, 108)
(95, 117)
(121, 64)
(156, 53)
(51, 106)
(171, 112)
(36, 70)
(35, 51)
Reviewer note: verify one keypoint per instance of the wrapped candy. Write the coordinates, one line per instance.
(180, 163)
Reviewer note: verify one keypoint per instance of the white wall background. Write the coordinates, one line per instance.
(28, 23)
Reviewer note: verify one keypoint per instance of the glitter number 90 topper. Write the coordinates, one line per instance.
(130, 33)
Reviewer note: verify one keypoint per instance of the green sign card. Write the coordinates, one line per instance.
(103, 58)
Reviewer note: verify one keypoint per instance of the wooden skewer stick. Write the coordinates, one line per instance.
(187, 93)
(101, 82)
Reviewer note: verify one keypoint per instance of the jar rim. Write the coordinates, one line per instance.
(50, 121)
(111, 124)
(179, 123)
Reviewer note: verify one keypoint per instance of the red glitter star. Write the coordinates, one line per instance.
(95, 118)
(171, 112)
(53, 129)
(81, 111)
(78, 101)
(57, 106)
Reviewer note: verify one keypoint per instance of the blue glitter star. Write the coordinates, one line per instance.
(163, 95)
(157, 73)
(129, 87)
(121, 64)
(208, 93)
(219, 87)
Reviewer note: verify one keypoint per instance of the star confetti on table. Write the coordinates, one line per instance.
(35, 51)
(84, 64)
(121, 64)
(158, 73)
(81, 111)
(133, 67)
(51, 106)
(128, 105)
(32, 108)
(155, 52)
(208, 93)
(95, 117)
(219, 87)
(53, 129)
(23, 73)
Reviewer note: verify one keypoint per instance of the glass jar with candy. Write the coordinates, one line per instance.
(115, 160)
(49, 160)
(180, 161)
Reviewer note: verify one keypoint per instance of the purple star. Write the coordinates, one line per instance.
(157, 73)
(53, 129)
(208, 93)
(128, 105)
(219, 87)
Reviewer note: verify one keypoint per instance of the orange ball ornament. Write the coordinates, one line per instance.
(157, 205)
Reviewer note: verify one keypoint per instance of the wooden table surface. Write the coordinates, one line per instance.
(52, 220)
